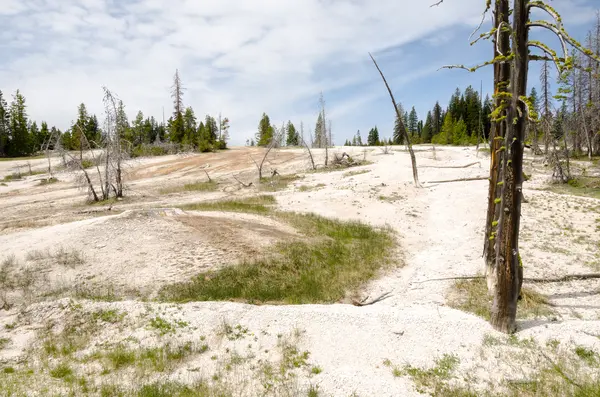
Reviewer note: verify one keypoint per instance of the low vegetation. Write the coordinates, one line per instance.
(201, 186)
(472, 296)
(355, 173)
(307, 188)
(255, 204)
(277, 183)
(581, 186)
(48, 181)
(336, 257)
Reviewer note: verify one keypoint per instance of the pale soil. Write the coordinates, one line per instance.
(143, 243)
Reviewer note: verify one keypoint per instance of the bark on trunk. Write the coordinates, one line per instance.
(497, 134)
(509, 272)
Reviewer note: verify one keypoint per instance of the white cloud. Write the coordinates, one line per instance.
(238, 57)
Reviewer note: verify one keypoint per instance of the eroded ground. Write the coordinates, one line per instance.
(85, 318)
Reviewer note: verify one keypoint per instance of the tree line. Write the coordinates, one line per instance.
(21, 136)
(465, 120)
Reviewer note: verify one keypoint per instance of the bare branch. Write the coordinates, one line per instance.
(548, 51)
(487, 8)
(436, 4)
(554, 29)
(543, 6)
(399, 118)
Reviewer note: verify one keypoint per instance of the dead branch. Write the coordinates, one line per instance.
(413, 159)
(373, 301)
(242, 183)
(310, 155)
(452, 166)
(477, 178)
(208, 176)
(572, 277)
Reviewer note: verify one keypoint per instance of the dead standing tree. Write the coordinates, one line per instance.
(413, 159)
(510, 36)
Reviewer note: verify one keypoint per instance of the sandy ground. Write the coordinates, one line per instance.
(142, 243)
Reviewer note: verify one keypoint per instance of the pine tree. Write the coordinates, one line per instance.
(292, 135)
(190, 127)
(427, 129)
(459, 133)
(136, 135)
(472, 112)
(265, 131)
(533, 127)
(359, 141)
(34, 137)
(20, 144)
(320, 137)
(211, 129)
(486, 117)
(413, 122)
(4, 126)
(224, 133)
(437, 119)
(373, 137)
(445, 135)
(399, 128)
(122, 122)
(44, 135)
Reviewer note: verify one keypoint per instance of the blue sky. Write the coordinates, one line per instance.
(242, 58)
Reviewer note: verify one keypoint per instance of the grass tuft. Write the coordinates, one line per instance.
(337, 258)
(192, 187)
(256, 204)
(472, 296)
(48, 181)
(581, 186)
(277, 183)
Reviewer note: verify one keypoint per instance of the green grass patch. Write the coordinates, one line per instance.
(581, 186)
(4, 342)
(256, 204)
(433, 380)
(174, 389)
(62, 371)
(341, 167)
(472, 296)
(354, 173)
(336, 258)
(277, 183)
(12, 177)
(307, 188)
(192, 187)
(48, 181)
(41, 156)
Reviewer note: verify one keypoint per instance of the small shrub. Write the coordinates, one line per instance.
(85, 163)
(121, 357)
(48, 181)
(62, 371)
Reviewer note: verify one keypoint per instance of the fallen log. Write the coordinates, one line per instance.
(571, 277)
(452, 166)
(477, 178)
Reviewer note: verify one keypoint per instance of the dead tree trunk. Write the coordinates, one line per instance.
(508, 269)
(413, 159)
(497, 135)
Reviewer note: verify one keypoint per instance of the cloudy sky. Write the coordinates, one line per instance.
(246, 57)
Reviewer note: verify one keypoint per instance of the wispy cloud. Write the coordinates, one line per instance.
(236, 57)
